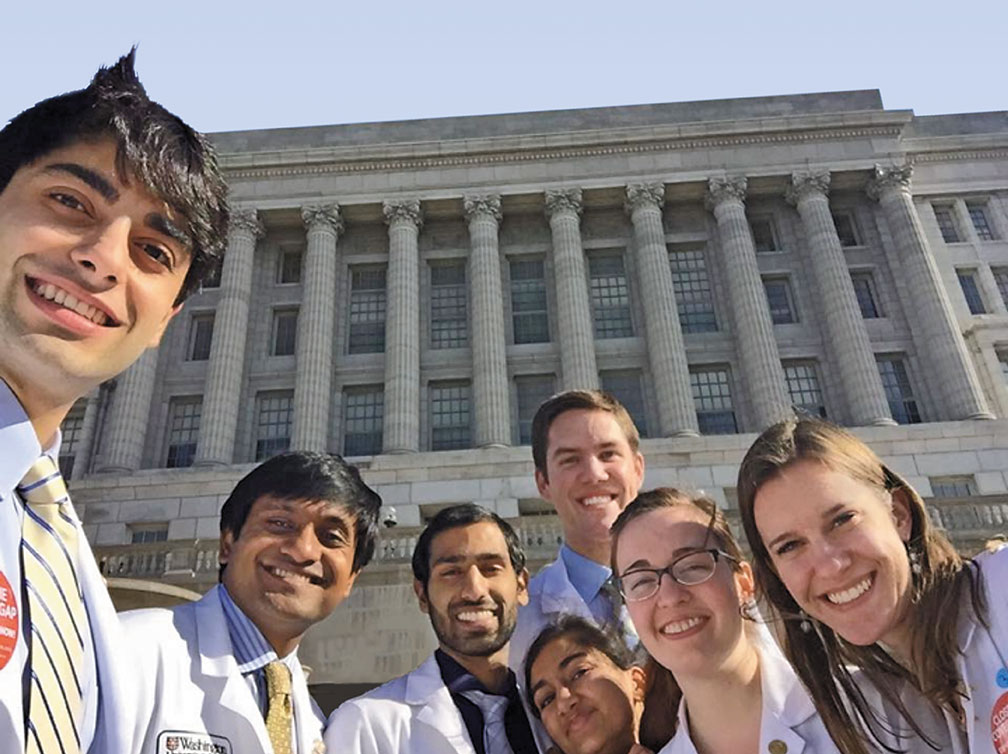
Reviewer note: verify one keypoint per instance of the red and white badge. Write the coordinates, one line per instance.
(9, 620)
(999, 724)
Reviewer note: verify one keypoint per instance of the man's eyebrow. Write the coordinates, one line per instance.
(482, 557)
(600, 446)
(164, 226)
(92, 178)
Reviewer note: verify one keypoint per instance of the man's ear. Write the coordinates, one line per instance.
(226, 545)
(542, 484)
(421, 592)
(523, 580)
(164, 324)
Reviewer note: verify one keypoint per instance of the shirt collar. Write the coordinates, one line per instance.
(458, 679)
(19, 442)
(585, 575)
(251, 650)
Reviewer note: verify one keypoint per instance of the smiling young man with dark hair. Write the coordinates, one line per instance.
(469, 577)
(223, 673)
(112, 210)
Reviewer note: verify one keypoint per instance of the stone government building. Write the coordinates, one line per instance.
(406, 293)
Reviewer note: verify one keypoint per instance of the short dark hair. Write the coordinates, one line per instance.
(301, 475)
(585, 634)
(574, 400)
(174, 163)
(453, 517)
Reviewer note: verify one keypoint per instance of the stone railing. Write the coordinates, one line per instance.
(967, 521)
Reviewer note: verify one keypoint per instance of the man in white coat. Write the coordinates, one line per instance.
(222, 675)
(587, 464)
(112, 210)
(469, 577)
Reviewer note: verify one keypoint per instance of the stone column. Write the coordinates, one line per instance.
(937, 340)
(128, 416)
(402, 328)
(666, 352)
(85, 444)
(222, 393)
(316, 320)
(491, 404)
(754, 337)
(843, 324)
(577, 338)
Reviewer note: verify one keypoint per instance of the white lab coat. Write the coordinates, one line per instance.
(190, 685)
(411, 714)
(788, 716)
(551, 594)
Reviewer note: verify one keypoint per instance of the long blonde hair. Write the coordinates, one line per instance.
(821, 657)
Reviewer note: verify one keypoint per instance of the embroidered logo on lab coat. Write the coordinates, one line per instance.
(190, 742)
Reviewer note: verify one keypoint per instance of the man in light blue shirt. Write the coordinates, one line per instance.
(588, 465)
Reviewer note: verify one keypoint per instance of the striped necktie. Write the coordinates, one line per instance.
(279, 717)
(493, 707)
(619, 616)
(49, 540)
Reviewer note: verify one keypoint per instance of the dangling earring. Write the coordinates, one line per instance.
(913, 554)
(748, 610)
(806, 624)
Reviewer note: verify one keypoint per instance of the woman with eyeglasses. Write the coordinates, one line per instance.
(870, 592)
(690, 595)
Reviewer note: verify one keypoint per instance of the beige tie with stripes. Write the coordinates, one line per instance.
(56, 608)
(279, 717)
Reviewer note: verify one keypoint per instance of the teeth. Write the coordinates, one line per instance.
(841, 598)
(52, 293)
(288, 575)
(473, 615)
(680, 626)
(596, 500)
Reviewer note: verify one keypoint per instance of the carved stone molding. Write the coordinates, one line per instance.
(644, 195)
(482, 205)
(725, 189)
(558, 200)
(246, 220)
(403, 210)
(807, 182)
(323, 214)
(889, 177)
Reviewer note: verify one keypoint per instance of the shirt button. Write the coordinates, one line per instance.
(777, 747)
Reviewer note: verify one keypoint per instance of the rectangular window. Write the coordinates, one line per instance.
(532, 391)
(899, 393)
(764, 234)
(803, 388)
(183, 430)
(200, 336)
(1002, 354)
(367, 310)
(692, 290)
(1001, 278)
(864, 289)
(625, 386)
(449, 415)
(971, 291)
(275, 410)
(289, 266)
(981, 223)
(610, 296)
(846, 229)
(146, 533)
(780, 300)
(284, 332)
(363, 419)
(449, 318)
(71, 430)
(962, 485)
(528, 301)
(713, 401)
(945, 215)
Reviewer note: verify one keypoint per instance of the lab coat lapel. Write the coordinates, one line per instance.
(309, 727)
(426, 689)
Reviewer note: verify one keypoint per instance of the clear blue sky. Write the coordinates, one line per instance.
(235, 66)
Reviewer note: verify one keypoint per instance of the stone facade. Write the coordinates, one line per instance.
(406, 293)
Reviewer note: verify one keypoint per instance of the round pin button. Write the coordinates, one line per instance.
(777, 747)
(1002, 678)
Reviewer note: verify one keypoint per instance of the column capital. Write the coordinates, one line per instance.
(885, 177)
(407, 210)
(725, 189)
(558, 200)
(806, 183)
(246, 219)
(314, 215)
(640, 195)
(477, 206)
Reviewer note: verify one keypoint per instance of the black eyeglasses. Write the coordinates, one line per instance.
(689, 570)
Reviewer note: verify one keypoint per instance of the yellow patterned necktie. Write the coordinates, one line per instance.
(49, 540)
(279, 718)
